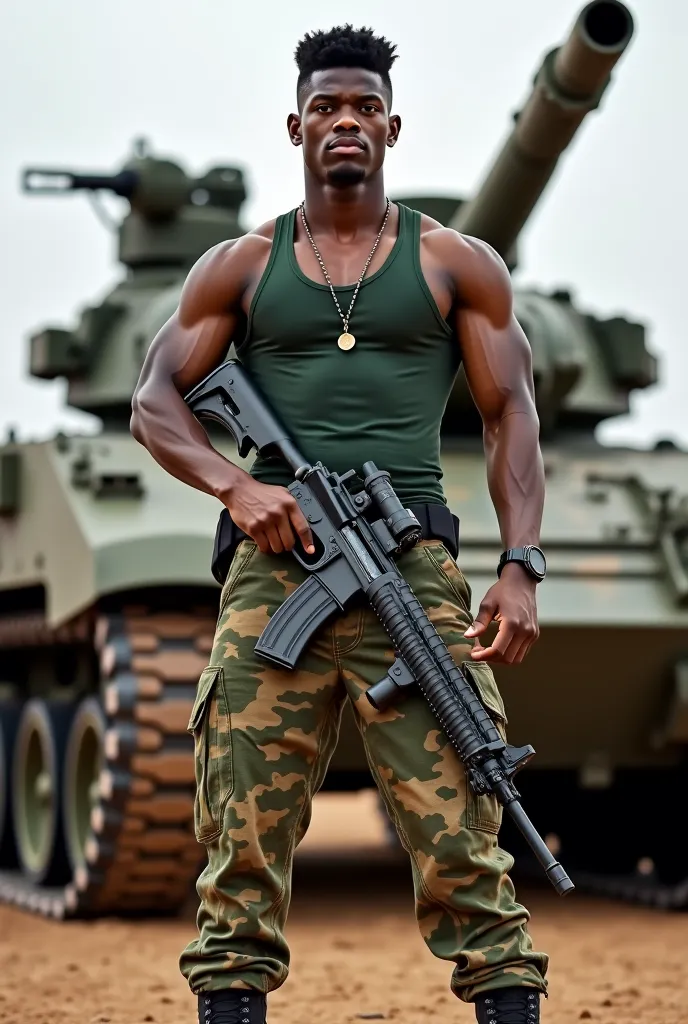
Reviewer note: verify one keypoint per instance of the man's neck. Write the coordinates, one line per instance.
(345, 213)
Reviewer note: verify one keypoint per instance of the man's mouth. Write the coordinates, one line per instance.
(351, 143)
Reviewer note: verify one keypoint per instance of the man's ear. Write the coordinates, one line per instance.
(294, 129)
(394, 129)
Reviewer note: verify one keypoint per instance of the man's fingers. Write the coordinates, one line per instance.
(484, 654)
(498, 647)
(524, 638)
(482, 621)
(518, 642)
(302, 528)
(262, 542)
(509, 647)
(531, 638)
(286, 533)
(522, 651)
(274, 539)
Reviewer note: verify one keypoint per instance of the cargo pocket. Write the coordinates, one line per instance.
(444, 564)
(485, 812)
(210, 725)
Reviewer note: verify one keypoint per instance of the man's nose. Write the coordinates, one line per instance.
(347, 123)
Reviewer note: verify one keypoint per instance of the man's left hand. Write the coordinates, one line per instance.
(510, 602)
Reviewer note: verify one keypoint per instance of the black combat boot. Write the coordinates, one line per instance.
(508, 1006)
(231, 1006)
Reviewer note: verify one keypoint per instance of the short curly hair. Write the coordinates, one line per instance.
(344, 47)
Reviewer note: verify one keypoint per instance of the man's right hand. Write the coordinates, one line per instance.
(269, 515)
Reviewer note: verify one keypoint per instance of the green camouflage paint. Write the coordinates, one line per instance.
(263, 739)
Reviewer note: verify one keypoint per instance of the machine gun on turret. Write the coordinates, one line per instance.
(173, 217)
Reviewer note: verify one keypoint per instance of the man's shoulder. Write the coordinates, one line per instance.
(442, 239)
(462, 256)
(477, 272)
(222, 272)
(253, 243)
(237, 255)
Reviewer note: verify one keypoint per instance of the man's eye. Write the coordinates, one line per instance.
(369, 108)
(324, 108)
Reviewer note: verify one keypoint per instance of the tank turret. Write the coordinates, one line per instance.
(584, 367)
(172, 220)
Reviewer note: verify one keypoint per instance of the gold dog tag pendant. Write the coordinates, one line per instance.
(346, 341)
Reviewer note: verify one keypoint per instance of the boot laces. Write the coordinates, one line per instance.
(228, 1008)
(512, 1006)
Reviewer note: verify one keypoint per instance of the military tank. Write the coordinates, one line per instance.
(107, 606)
(107, 609)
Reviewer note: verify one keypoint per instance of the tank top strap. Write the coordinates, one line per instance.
(279, 257)
(284, 237)
(408, 256)
(409, 229)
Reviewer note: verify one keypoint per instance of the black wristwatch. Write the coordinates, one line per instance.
(530, 557)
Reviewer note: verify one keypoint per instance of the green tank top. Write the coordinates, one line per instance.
(384, 399)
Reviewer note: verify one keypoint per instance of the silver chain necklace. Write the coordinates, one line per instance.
(346, 340)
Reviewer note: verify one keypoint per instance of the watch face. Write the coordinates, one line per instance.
(537, 561)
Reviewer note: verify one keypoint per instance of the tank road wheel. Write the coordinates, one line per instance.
(9, 716)
(130, 836)
(36, 789)
(102, 787)
(83, 764)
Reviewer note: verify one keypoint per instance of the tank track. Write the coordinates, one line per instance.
(635, 889)
(141, 854)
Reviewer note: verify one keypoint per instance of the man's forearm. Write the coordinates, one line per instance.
(162, 423)
(516, 476)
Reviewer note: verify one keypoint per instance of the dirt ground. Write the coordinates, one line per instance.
(356, 951)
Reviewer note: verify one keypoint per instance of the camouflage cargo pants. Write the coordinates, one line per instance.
(263, 740)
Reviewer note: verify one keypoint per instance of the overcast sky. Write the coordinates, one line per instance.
(212, 82)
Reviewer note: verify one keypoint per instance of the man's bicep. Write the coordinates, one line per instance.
(496, 354)
(498, 364)
(185, 353)
(196, 337)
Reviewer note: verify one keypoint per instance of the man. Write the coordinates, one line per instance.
(352, 315)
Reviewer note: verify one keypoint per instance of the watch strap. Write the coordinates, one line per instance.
(511, 555)
(522, 556)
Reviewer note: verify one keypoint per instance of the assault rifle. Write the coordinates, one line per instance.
(358, 526)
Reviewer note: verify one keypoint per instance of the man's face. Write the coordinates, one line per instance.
(344, 125)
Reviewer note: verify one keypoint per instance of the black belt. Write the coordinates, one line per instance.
(436, 523)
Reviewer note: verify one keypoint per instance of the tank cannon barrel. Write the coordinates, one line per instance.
(569, 84)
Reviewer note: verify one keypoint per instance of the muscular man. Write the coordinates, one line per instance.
(352, 384)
